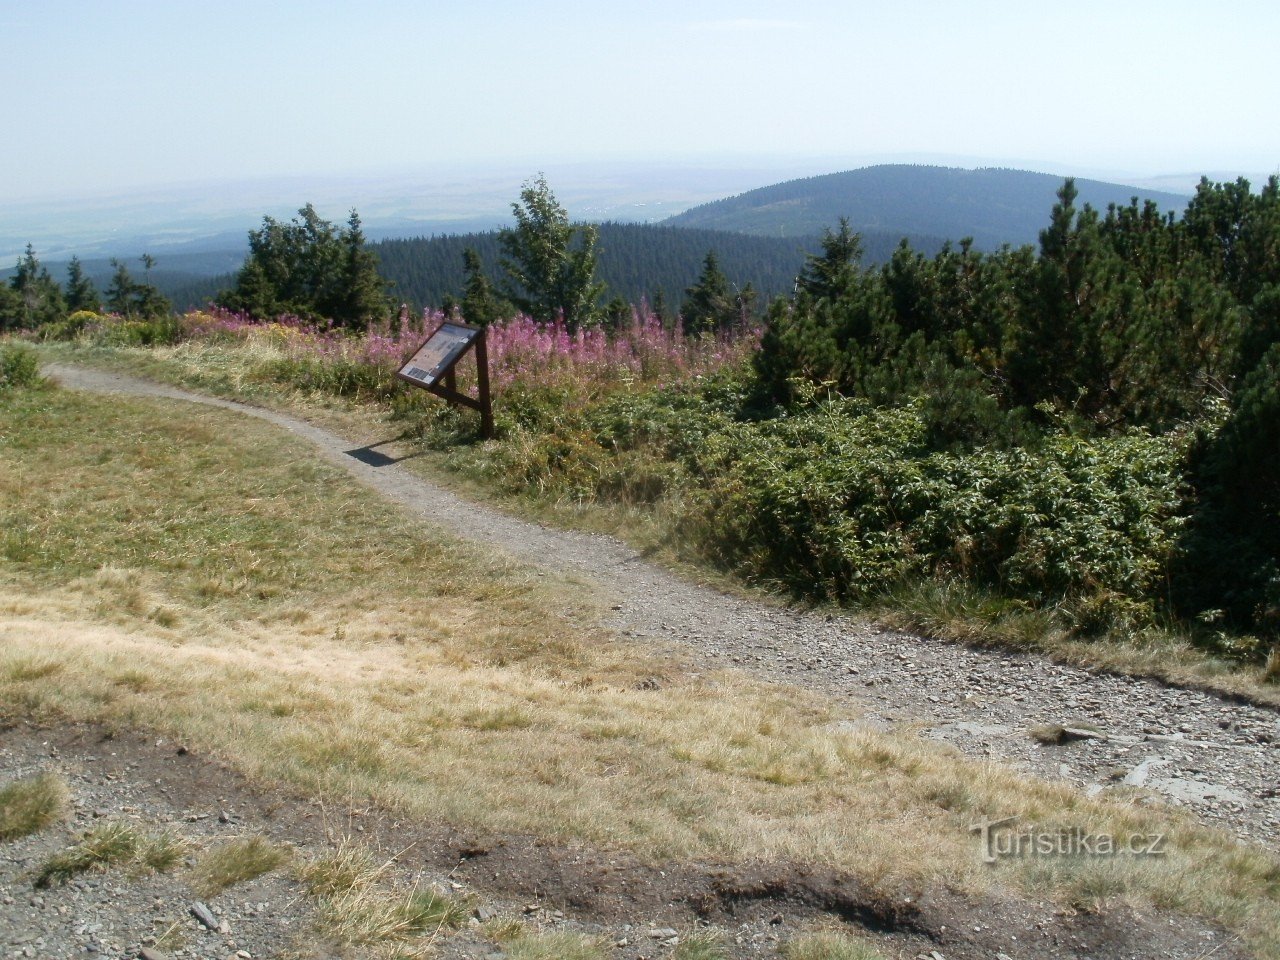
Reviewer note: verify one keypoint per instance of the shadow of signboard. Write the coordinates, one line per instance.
(374, 458)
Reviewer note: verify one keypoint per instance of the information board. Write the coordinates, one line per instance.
(435, 357)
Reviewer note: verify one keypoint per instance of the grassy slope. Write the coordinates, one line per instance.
(951, 612)
(190, 570)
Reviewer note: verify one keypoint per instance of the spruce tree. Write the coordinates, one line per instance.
(40, 299)
(550, 264)
(132, 300)
(709, 304)
(831, 273)
(81, 293)
(480, 305)
(307, 268)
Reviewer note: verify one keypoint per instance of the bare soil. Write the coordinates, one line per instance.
(145, 779)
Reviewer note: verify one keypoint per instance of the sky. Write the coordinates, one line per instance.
(111, 96)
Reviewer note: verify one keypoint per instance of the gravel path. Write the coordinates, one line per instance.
(1215, 757)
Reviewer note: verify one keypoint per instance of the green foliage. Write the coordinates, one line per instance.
(550, 264)
(309, 269)
(157, 331)
(10, 309)
(1231, 557)
(846, 501)
(1132, 318)
(73, 326)
(19, 367)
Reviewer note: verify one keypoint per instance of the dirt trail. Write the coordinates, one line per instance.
(1217, 758)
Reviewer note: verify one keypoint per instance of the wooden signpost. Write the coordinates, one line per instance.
(432, 368)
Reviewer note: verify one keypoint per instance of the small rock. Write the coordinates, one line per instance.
(484, 914)
(663, 933)
(204, 915)
(146, 953)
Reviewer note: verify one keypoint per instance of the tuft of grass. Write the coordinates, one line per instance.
(28, 806)
(1049, 734)
(236, 861)
(522, 942)
(110, 845)
(704, 944)
(358, 907)
(348, 867)
(829, 945)
(1271, 669)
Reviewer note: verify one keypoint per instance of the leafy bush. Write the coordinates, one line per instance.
(845, 501)
(73, 326)
(155, 332)
(19, 367)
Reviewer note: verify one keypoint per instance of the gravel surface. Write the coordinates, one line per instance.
(1215, 757)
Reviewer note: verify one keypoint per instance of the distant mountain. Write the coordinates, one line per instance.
(993, 206)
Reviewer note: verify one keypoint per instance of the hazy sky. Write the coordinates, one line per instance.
(109, 94)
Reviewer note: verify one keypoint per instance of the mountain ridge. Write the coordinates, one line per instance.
(992, 205)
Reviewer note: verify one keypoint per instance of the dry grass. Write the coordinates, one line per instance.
(358, 906)
(236, 861)
(704, 944)
(522, 942)
(320, 638)
(114, 844)
(28, 806)
(828, 945)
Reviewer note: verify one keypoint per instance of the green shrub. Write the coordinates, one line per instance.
(73, 326)
(846, 501)
(19, 367)
(155, 332)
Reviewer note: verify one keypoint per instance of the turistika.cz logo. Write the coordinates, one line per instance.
(1002, 839)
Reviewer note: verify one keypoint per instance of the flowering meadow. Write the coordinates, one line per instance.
(523, 353)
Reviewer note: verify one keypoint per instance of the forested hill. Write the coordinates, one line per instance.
(994, 206)
(636, 260)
